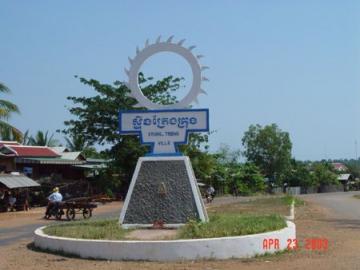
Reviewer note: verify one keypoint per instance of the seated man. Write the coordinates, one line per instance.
(12, 201)
(54, 200)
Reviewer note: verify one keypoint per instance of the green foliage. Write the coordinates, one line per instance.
(204, 163)
(96, 119)
(220, 225)
(7, 108)
(288, 200)
(323, 175)
(77, 143)
(300, 175)
(228, 172)
(99, 229)
(246, 179)
(270, 149)
(223, 225)
(43, 139)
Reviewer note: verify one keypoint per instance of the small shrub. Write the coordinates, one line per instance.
(222, 225)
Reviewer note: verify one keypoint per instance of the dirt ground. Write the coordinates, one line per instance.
(312, 221)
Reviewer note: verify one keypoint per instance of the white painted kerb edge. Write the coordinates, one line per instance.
(169, 250)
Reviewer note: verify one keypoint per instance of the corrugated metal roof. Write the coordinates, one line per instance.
(32, 151)
(59, 149)
(344, 177)
(71, 155)
(17, 181)
(92, 166)
(58, 161)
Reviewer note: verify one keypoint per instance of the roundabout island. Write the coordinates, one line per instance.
(245, 246)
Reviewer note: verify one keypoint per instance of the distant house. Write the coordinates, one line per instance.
(346, 177)
(66, 154)
(40, 161)
(340, 167)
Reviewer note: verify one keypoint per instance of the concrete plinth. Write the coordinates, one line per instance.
(162, 190)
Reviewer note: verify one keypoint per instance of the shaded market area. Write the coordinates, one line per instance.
(29, 173)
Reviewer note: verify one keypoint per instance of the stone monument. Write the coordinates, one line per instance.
(163, 190)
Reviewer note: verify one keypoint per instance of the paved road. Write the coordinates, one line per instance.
(10, 235)
(345, 208)
(342, 204)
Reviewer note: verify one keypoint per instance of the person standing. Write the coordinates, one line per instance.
(54, 200)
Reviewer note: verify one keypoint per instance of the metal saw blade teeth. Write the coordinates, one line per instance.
(181, 42)
(202, 91)
(147, 43)
(191, 47)
(170, 39)
(199, 56)
(204, 68)
(127, 72)
(158, 39)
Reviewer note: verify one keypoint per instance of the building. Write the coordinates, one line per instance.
(40, 162)
(340, 167)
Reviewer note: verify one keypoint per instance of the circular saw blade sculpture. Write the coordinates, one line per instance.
(165, 46)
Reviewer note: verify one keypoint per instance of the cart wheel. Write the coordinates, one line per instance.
(87, 213)
(59, 214)
(70, 213)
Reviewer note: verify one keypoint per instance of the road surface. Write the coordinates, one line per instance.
(344, 207)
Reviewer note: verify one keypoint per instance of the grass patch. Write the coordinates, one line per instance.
(98, 229)
(241, 218)
(222, 225)
(288, 199)
(356, 196)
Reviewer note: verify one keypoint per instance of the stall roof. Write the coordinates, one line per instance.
(92, 166)
(17, 181)
(56, 161)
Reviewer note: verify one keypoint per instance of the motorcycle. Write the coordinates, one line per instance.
(209, 197)
(54, 209)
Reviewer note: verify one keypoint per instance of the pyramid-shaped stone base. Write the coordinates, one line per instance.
(162, 190)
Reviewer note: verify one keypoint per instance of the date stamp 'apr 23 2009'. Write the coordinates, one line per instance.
(312, 244)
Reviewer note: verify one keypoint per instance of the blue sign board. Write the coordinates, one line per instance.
(164, 130)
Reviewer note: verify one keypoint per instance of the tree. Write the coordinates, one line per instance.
(96, 119)
(300, 175)
(7, 131)
(322, 172)
(250, 180)
(270, 149)
(43, 139)
(77, 143)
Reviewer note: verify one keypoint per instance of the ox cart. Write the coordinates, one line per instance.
(70, 208)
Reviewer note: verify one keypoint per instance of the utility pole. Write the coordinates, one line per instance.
(356, 150)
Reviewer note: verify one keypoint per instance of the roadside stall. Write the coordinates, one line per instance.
(14, 192)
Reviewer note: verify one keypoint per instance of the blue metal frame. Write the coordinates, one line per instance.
(176, 144)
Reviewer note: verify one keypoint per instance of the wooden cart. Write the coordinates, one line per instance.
(72, 207)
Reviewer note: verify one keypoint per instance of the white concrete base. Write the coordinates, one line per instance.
(171, 250)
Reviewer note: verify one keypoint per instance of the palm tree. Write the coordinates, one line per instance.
(26, 138)
(7, 131)
(42, 139)
(76, 143)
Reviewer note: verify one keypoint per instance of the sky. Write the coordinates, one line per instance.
(293, 63)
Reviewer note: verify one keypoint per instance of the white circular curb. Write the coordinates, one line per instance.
(170, 250)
